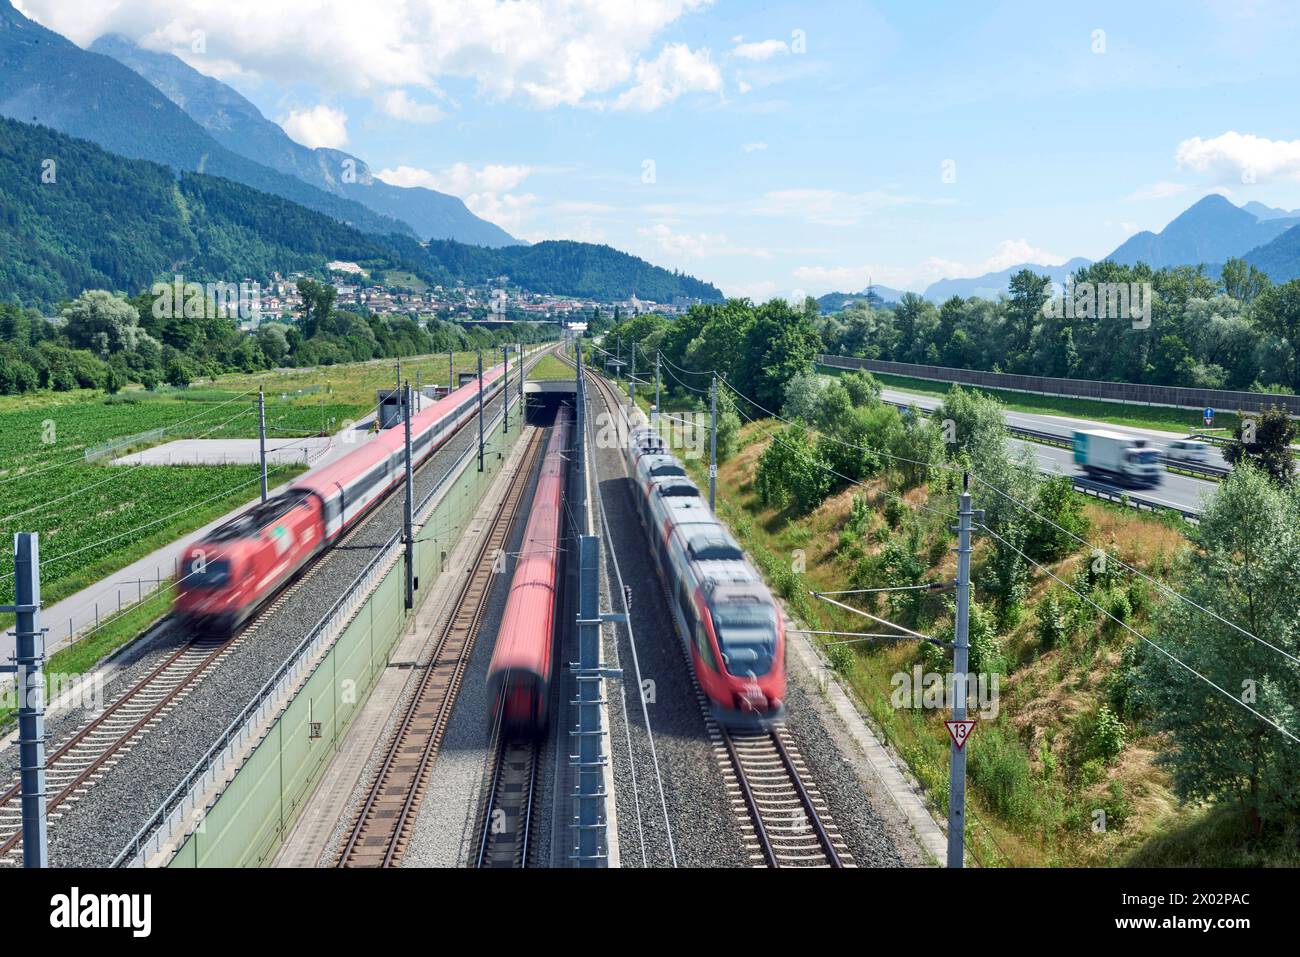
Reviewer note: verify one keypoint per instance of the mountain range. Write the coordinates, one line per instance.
(237, 182)
(49, 80)
(238, 125)
(1209, 232)
(110, 222)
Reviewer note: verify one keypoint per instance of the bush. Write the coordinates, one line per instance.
(999, 766)
(1107, 735)
(1057, 501)
(1051, 628)
(841, 658)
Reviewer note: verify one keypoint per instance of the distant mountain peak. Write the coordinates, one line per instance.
(1211, 230)
(235, 122)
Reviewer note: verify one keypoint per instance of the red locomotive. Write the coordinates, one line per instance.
(241, 564)
(519, 675)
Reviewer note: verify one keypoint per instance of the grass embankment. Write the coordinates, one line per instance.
(550, 368)
(82, 656)
(1049, 764)
(1182, 421)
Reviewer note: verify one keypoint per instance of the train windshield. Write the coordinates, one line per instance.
(747, 637)
(213, 573)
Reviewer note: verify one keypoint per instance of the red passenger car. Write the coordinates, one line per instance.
(243, 563)
(519, 676)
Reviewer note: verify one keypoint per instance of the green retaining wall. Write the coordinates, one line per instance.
(253, 815)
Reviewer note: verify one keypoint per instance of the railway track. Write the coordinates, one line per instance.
(93, 750)
(782, 817)
(506, 822)
(382, 828)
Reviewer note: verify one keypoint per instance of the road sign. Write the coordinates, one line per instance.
(1209, 416)
(960, 731)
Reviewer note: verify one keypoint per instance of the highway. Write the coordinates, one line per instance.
(1177, 491)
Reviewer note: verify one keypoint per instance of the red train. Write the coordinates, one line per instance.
(241, 564)
(519, 676)
(730, 625)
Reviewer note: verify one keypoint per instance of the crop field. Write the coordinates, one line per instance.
(95, 518)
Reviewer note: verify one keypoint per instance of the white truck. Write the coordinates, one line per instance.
(1117, 457)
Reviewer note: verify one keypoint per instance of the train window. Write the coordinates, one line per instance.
(747, 636)
(704, 647)
(714, 550)
(214, 573)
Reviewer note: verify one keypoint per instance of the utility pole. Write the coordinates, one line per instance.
(407, 522)
(580, 425)
(505, 390)
(713, 442)
(419, 392)
(451, 370)
(960, 681)
(631, 379)
(480, 410)
(521, 383)
(28, 666)
(261, 436)
(656, 421)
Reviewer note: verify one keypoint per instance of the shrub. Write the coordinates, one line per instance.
(841, 658)
(1107, 735)
(999, 766)
(1051, 628)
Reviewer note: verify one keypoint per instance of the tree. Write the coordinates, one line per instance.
(1277, 311)
(1242, 282)
(802, 396)
(317, 303)
(1244, 567)
(1265, 442)
(790, 472)
(1025, 298)
(779, 344)
(102, 322)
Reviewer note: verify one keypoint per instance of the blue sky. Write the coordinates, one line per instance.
(774, 148)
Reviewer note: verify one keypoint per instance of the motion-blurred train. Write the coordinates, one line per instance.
(243, 563)
(729, 623)
(519, 675)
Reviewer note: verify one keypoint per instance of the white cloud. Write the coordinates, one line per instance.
(486, 190)
(1161, 190)
(698, 245)
(321, 126)
(743, 87)
(1242, 157)
(459, 179)
(676, 70)
(545, 52)
(754, 147)
(400, 106)
(762, 50)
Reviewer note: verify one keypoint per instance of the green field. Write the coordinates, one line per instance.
(1159, 418)
(550, 368)
(94, 518)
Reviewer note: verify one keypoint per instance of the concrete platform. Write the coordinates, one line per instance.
(229, 452)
